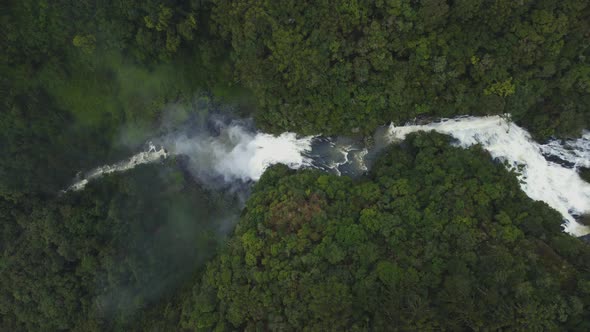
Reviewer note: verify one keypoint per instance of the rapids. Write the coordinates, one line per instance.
(236, 153)
(557, 185)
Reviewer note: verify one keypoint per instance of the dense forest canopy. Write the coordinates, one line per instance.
(90, 260)
(434, 238)
(96, 76)
(342, 66)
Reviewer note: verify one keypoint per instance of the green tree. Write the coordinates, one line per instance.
(87, 43)
(431, 240)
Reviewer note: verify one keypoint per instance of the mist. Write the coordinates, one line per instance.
(230, 150)
(170, 226)
(220, 158)
(228, 155)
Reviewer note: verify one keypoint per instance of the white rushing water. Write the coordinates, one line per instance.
(576, 152)
(558, 186)
(235, 153)
(239, 154)
(152, 154)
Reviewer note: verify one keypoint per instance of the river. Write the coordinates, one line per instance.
(234, 152)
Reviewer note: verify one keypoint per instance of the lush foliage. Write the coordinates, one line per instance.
(435, 238)
(340, 66)
(90, 261)
(96, 76)
(82, 84)
(80, 81)
(438, 238)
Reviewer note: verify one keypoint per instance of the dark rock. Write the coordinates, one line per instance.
(584, 219)
(585, 238)
(584, 173)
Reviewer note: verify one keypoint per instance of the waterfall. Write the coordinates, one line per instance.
(236, 153)
(152, 154)
(554, 183)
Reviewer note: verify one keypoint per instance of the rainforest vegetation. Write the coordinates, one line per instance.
(433, 238)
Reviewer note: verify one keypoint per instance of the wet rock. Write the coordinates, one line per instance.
(585, 238)
(584, 219)
(584, 173)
